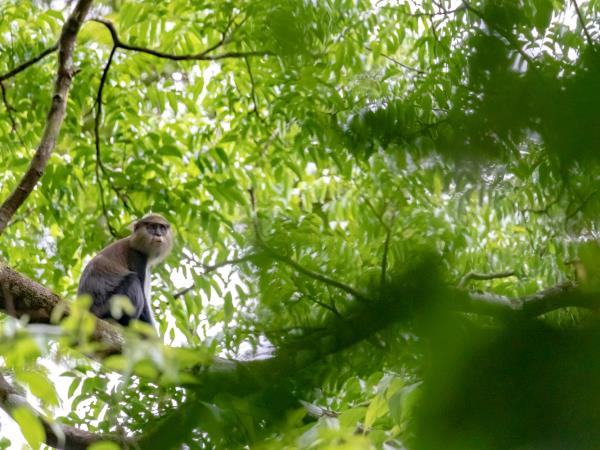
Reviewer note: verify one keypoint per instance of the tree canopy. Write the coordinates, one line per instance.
(386, 221)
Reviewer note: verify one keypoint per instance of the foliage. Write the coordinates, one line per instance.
(336, 153)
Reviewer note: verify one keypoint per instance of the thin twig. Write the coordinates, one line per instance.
(298, 267)
(441, 13)
(314, 275)
(389, 58)
(384, 258)
(386, 245)
(253, 90)
(208, 268)
(111, 229)
(543, 210)
(581, 205)
(9, 112)
(26, 64)
(99, 166)
(330, 308)
(484, 276)
(97, 119)
(581, 21)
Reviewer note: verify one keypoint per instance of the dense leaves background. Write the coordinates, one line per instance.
(332, 170)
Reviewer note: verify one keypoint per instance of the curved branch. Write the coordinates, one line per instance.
(55, 116)
(99, 163)
(99, 166)
(201, 56)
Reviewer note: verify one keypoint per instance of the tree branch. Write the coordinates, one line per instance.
(386, 245)
(563, 295)
(201, 56)
(314, 275)
(20, 296)
(582, 22)
(57, 435)
(9, 112)
(26, 64)
(253, 90)
(445, 12)
(207, 268)
(55, 115)
(581, 206)
(99, 166)
(506, 35)
(484, 276)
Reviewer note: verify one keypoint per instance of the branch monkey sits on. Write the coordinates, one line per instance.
(123, 268)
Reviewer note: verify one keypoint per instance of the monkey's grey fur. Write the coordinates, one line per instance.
(123, 268)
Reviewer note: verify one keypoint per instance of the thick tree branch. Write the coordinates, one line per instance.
(57, 435)
(20, 296)
(336, 334)
(55, 115)
(563, 295)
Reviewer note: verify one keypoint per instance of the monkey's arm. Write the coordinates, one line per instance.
(131, 287)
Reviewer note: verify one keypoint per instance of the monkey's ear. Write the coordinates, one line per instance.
(136, 224)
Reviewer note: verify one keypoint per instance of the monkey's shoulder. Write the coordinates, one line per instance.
(118, 258)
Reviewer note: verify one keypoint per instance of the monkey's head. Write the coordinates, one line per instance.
(152, 236)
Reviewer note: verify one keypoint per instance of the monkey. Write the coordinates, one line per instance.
(123, 268)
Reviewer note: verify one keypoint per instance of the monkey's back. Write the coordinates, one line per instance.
(116, 270)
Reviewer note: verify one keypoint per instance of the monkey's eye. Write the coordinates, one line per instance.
(157, 229)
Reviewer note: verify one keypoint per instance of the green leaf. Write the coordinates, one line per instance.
(377, 408)
(228, 306)
(30, 425)
(543, 14)
(104, 445)
(39, 385)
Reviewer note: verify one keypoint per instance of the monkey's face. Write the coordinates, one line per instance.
(152, 236)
